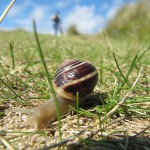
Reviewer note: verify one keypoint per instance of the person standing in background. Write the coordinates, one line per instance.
(57, 23)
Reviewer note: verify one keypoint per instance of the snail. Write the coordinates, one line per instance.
(71, 77)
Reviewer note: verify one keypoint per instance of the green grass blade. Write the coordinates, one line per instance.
(22, 101)
(142, 55)
(77, 103)
(125, 78)
(135, 60)
(48, 78)
(12, 56)
(131, 66)
(101, 73)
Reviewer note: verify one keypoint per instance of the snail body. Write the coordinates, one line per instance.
(71, 77)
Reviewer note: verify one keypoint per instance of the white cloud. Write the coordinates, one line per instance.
(18, 9)
(64, 3)
(17, 12)
(38, 13)
(41, 14)
(24, 23)
(61, 4)
(84, 18)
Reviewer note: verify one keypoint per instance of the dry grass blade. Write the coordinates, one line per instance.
(142, 131)
(6, 144)
(6, 10)
(63, 141)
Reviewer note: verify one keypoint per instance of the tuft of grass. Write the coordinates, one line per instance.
(20, 100)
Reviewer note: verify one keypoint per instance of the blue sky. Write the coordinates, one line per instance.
(89, 16)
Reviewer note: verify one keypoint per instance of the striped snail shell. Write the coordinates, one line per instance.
(75, 76)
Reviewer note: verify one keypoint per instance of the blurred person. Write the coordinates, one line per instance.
(57, 23)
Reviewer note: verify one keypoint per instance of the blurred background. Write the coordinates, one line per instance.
(116, 17)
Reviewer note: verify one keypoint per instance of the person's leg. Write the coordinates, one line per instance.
(60, 29)
(55, 29)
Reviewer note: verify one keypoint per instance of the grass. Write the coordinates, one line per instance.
(118, 109)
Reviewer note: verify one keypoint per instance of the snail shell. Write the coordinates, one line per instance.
(75, 76)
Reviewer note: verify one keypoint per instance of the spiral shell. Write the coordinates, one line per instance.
(75, 76)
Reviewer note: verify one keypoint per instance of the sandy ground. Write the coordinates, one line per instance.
(16, 135)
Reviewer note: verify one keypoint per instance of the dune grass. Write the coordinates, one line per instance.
(25, 79)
